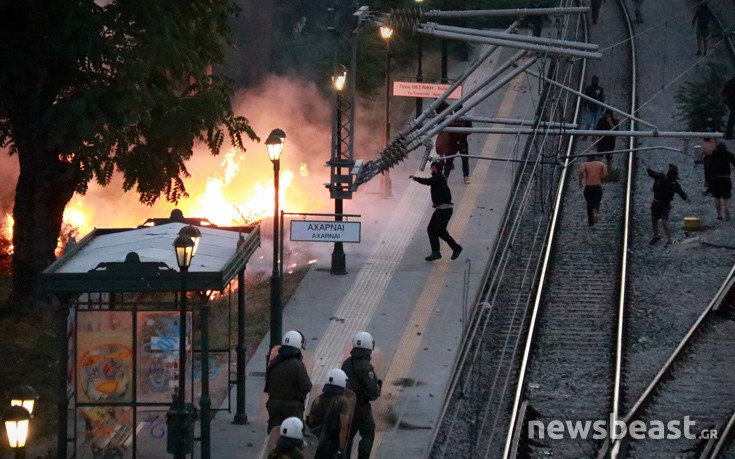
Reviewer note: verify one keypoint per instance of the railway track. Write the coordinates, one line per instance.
(476, 416)
(691, 400)
(573, 368)
(571, 361)
(586, 272)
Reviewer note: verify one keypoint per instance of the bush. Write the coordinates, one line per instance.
(701, 105)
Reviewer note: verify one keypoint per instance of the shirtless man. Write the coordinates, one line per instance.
(593, 172)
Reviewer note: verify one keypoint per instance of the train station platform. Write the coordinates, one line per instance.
(413, 308)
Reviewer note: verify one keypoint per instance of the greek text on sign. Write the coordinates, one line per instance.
(416, 89)
(325, 231)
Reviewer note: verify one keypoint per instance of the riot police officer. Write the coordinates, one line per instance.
(330, 416)
(290, 440)
(287, 381)
(361, 379)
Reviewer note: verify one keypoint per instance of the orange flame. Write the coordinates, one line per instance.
(8, 231)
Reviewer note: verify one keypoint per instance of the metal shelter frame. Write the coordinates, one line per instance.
(141, 292)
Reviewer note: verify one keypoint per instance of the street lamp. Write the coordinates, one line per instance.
(339, 264)
(24, 396)
(274, 143)
(180, 417)
(16, 420)
(385, 182)
(195, 235)
(419, 73)
(339, 80)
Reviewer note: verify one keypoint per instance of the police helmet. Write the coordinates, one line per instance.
(293, 338)
(292, 428)
(363, 340)
(337, 377)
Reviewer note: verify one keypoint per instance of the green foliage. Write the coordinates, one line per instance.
(701, 106)
(119, 87)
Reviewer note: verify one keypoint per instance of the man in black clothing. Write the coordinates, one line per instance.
(536, 21)
(664, 188)
(607, 142)
(720, 184)
(594, 91)
(441, 200)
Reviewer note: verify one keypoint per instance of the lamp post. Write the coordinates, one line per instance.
(385, 182)
(180, 417)
(445, 44)
(274, 143)
(17, 419)
(339, 264)
(419, 73)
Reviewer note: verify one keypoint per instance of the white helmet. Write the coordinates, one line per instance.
(363, 340)
(293, 338)
(337, 377)
(292, 428)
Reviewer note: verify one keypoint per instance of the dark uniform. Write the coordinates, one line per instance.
(287, 384)
(325, 421)
(366, 386)
(719, 170)
(607, 142)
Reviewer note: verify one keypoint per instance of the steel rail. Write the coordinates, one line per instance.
(515, 419)
(641, 404)
(628, 214)
(511, 442)
(482, 313)
(723, 438)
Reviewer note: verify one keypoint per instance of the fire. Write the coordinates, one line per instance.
(227, 196)
(7, 232)
(9, 222)
(224, 212)
(76, 216)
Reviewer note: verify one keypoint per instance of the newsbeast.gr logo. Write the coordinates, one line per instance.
(617, 429)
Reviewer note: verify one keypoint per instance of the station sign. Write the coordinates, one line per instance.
(427, 90)
(325, 231)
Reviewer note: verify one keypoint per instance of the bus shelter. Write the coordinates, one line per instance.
(119, 294)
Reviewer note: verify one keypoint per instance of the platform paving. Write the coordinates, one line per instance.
(414, 309)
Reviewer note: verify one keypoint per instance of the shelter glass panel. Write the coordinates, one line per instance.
(105, 432)
(104, 357)
(151, 434)
(158, 355)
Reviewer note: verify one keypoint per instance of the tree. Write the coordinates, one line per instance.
(88, 89)
(700, 103)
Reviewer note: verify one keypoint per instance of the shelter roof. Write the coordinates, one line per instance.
(102, 260)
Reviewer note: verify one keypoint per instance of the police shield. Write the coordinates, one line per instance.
(307, 358)
(308, 447)
(345, 419)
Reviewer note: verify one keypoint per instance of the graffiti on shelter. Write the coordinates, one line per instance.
(158, 353)
(104, 356)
